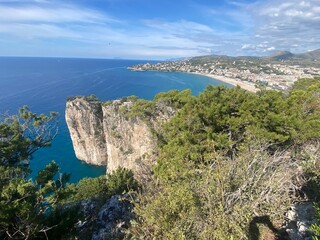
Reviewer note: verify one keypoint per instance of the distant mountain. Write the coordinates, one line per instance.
(177, 59)
(282, 55)
(312, 55)
(288, 56)
(311, 58)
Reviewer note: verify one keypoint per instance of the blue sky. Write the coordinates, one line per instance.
(157, 29)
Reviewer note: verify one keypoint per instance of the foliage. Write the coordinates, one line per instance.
(217, 200)
(145, 109)
(121, 181)
(92, 97)
(101, 188)
(304, 83)
(107, 103)
(315, 228)
(63, 220)
(95, 191)
(311, 165)
(21, 135)
(26, 206)
(228, 157)
(227, 119)
(174, 98)
(141, 108)
(46, 174)
(86, 188)
(131, 98)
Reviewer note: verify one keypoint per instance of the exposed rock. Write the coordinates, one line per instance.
(110, 221)
(114, 218)
(84, 119)
(129, 142)
(85, 227)
(103, 134)
(299, 218)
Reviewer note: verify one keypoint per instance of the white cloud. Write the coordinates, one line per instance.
(261, 47)
(247, 46)
(90, 29)
(182, 26)
(60, 21)
(244, 28)
(53, 14)
(287, 25)
(271, 49)
(29, 31)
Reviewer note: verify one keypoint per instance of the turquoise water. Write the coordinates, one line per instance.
(45, 83)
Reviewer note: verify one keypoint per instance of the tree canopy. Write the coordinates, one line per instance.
(46, 207)
(229, 156)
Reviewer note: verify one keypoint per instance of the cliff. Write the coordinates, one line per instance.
(85, 122)
(113, 133)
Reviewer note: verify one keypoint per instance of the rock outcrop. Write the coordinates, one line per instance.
(299, 218)
(114, 218)
(112, 134)
(85, 122)
(109, 221)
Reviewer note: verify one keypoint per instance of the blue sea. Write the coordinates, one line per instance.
(45, 83)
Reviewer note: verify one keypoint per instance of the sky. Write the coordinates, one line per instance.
(157, 29)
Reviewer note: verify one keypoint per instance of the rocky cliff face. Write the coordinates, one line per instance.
(85, 122)
(110, 134)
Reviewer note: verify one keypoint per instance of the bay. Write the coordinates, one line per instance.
(44, 84)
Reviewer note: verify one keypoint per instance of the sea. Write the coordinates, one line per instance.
(44, 84)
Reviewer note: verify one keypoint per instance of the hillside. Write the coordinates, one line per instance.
(226, 164)
(308, 58)
(312, 55)
(278, 71)
(283, 55)
(303, 58)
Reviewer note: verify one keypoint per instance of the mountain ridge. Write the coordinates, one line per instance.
(281, 55)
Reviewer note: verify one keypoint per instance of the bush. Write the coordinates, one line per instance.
(230, 157)
(101, 188)
(216, 200)
(315, 228)
(121, 181)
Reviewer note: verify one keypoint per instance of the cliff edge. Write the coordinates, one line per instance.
(116, 133)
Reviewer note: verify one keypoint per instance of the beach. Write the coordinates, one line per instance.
(244, 85)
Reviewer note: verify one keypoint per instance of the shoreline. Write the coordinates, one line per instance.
(246, 86)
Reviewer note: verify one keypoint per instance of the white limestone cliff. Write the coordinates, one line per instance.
(103, 134)
(85, 122)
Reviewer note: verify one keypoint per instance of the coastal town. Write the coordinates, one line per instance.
(249, 73)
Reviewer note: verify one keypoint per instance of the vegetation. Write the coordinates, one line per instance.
(46, 207)
(305, 83)
(316, 227)
(101, 188)
(22, 135)
(26, 206)
(228, 160)
(145, 109)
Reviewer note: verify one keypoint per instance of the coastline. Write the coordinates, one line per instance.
(247, 86)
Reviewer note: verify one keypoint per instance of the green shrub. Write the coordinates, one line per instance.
(227, 157)
(315, 228)
(121, 181)
(101, 188)
(87, 188)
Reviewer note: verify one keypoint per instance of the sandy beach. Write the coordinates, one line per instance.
(244, 85)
